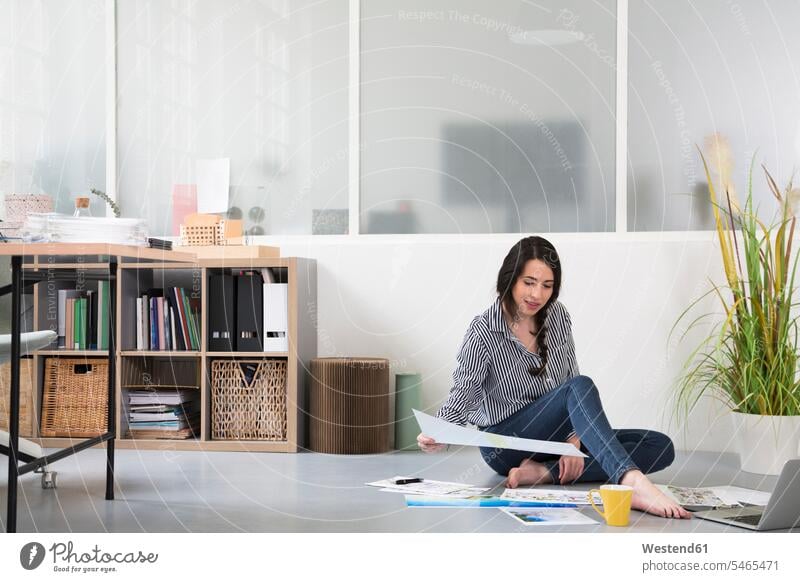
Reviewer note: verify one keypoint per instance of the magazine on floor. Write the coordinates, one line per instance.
(548, 516)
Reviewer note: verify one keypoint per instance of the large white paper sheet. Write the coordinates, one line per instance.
(448, 433)
(460, 494)
(213, 181)
(426, 487)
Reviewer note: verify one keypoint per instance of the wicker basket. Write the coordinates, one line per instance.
(75, 397)
(26, 382)
(254, 410)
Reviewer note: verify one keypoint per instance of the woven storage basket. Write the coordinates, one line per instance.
(248, 411)
(26, 382)
(75, 397)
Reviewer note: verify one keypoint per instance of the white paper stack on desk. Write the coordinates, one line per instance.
(54, 227)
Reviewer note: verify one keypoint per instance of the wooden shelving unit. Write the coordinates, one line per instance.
(184, 270)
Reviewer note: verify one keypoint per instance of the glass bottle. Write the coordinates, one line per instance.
(82, 207)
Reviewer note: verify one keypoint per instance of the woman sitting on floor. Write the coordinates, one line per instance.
(517, 375)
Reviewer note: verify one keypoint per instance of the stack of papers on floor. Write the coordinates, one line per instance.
(528, 506)
(164, 413)
(552, 496)
(715, 497)
(429, 487)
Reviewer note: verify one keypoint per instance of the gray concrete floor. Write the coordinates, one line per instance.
(168, 491)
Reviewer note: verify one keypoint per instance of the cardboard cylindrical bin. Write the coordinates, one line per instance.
(349, 406)
(407, 397)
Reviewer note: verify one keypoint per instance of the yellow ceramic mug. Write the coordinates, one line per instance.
(616, 502)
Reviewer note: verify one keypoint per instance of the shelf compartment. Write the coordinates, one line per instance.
(139, 282)
(249, 399)
(162, 373)
(240, 310)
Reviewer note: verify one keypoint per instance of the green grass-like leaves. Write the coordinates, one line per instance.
(749, 360)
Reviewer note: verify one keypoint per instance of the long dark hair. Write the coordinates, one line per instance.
(532, 247)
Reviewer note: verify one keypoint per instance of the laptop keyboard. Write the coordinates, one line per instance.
(748, 519)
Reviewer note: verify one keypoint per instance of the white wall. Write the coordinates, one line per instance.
(410, 299)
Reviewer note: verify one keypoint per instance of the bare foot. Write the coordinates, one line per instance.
(647, 497)
(529, 473)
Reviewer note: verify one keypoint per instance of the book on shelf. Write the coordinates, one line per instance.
(159, 416)
(63, 295)
(154, 407)
(172, 424)
(167, 320)
(164, 412)
(163, 396)
(179, 434)
(69, 316)
(100, 331)
(91, 319)
(79, 327)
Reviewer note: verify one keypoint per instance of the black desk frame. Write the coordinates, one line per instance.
(18, 282)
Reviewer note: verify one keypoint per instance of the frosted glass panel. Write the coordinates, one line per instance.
(487, 116)
(260, 83)
(52, 106)
(703, 67)
(52, 99)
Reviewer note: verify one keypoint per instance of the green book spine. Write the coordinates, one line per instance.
(190, 321)
(76, 324)
(84, 322)
(104, 299)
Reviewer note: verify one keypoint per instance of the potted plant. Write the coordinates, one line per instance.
(749, 359)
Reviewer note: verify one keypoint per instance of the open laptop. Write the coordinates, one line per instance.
(782, 511)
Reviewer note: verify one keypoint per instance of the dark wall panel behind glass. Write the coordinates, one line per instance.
(487, 117)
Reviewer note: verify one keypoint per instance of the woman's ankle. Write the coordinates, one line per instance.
(631, 477)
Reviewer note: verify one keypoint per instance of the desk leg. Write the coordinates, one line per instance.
(13, 409)
(112, 376)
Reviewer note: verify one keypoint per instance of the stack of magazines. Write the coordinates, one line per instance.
(164, 413)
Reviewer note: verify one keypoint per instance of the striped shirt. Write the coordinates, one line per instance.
(491, 381)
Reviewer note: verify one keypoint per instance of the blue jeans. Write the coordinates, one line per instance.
(575, 405)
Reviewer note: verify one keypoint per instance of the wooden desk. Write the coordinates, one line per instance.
(33, 263)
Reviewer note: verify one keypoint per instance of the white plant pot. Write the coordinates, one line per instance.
(765, 443)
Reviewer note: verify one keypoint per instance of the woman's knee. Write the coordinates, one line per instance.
(582, 385)
(663, 449)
